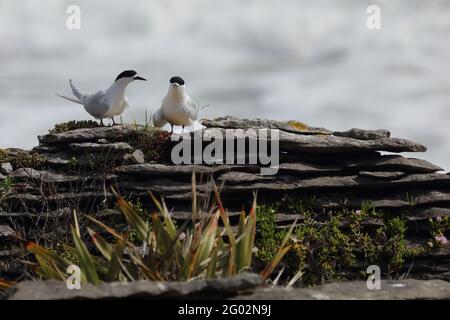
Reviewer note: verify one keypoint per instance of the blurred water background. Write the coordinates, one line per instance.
(313, 61)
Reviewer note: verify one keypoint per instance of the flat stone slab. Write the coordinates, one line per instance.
(156, 169)
(82, 198)
(327, 144)
(306, 168)
(409, 289)
(47, 149)
(362, 134)
(292, 126)
(396, 162)
(384, 175)
(236, 178)
(323, 144)
(44, 176)
(243, 183)
(57, 290)
(117, 147)
(66, 159)
(393, 201)
(241, 287)
(89, 134)
(230, 122)
(369, 168)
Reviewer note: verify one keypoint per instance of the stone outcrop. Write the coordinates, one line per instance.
(241, 287)
(339, 169)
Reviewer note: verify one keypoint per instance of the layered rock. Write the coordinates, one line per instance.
(339, 169)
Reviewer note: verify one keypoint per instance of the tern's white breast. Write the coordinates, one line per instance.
(176, 112)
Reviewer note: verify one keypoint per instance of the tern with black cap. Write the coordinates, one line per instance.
(178, 108)
(105, 103)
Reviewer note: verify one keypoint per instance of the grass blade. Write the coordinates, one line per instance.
(133, 219)
(87, 264)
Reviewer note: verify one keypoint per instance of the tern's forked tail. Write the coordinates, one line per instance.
(77, 92)
(70, 99)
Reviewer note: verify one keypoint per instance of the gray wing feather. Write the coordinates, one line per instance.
(69, 99)
(78, 93)
(158, 118)
(96, 104)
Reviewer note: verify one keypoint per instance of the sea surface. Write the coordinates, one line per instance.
(313, 61)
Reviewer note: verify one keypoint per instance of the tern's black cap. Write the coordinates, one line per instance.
(177, 80)
(126, 74)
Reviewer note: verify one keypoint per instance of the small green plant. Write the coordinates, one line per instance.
(23, 159)
(31, 159)
(335, 245)
(6, 186)
(395, 249)
(160, 250)
(368, 210)
(412, 201)
(268, 238)
(154, 142)
(73, 125)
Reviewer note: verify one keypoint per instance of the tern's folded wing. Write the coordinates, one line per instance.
(96, 104)
(158, 118)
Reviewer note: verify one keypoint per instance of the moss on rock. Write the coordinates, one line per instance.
(73, 125)
(29, 160)
(154, 143)
(23, 159)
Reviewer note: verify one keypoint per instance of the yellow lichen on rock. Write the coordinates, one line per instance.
(298, 125)
(4, 156)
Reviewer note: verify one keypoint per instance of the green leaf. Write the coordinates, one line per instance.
(87, 264)
(212, 266)
(116, 256)
(46, 254)
(284, 248)
(206, 242)
(133, 219)
(101, 244)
